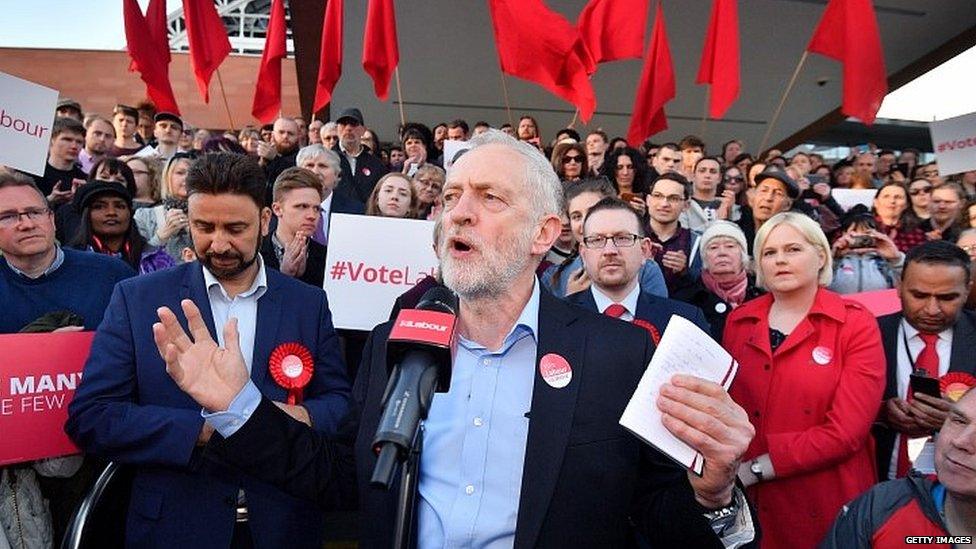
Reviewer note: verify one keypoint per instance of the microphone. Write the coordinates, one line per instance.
(419, 354)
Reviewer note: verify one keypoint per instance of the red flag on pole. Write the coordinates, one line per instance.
(147, 58)
(539, 45)
(720, 58)
(380, 51)
(848, 32)
(330, 57)
(267, 93)
(613, 29)
(209, 45)
(156, 19)
(656, 86)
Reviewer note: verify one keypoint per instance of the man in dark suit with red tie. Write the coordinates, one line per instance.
(512, 455)
(614, 247)
(934, 336)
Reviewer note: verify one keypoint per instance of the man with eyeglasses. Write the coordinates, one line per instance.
(672, 245)
(37, 276)
(946, 207)
(613, 251)
(361, 169)
(706, 205)
(329, 135)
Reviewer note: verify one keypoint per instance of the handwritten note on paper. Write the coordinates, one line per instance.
(684, 349)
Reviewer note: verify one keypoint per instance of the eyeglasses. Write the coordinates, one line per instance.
(670, 198)
(920, 190)
(9, 219)
(598, 242)
(576, 159)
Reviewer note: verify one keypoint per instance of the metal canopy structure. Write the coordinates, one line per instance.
(449, 67)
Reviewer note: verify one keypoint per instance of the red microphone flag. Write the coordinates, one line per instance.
(541, 46)
(330, 57)
(720, 58)
(209, 45)
(380, 51)
(267, 93)
(656, 86)
(147, 58)
(848, 32)
(613, 29)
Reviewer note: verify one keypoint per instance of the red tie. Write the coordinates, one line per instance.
(927, 360)
(616, 310)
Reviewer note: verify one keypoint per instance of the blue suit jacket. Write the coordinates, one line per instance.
(653, 309)
(127, 409)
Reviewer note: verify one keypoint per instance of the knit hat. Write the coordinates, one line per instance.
(721, 227)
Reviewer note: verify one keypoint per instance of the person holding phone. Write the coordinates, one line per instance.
(865, 259)
(627, 170)
(62, 173)
(931, 337)
(706, 204)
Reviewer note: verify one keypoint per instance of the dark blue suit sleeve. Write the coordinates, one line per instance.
(105, 419)
(327, 395)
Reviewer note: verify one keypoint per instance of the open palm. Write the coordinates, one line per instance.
(212, 375)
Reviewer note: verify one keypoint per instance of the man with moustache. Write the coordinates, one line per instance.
(511, 456)
(128, 410)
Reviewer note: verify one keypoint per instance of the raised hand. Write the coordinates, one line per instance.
(212, 375)
(295, 256)
(704, 416)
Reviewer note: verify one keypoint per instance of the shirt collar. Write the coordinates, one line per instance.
(603, 301)
(58, 261)
(911, 332)
(327, 202)
(527, 323)
(258, 287)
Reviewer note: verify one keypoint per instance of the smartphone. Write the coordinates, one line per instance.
(816, 178)
(925, 385)
(862, 241)
(64, 185)
(627, 197)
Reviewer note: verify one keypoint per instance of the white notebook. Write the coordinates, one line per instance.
(684, 349)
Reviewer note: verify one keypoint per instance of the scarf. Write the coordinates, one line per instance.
(732, 291)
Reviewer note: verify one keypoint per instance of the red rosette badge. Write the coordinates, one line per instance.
(651, 329)
(954, 384)
(291, 367)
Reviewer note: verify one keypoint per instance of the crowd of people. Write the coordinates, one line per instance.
(752, 248)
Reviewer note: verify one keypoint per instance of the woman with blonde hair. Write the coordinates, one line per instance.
(811, 376)
(145, 170)
(166, 225)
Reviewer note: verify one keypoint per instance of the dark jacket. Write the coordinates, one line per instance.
(715, 308)
(359, 185)
(587, 481)
(963, 345)
(650, 308)
(314, 264)
(274, 168)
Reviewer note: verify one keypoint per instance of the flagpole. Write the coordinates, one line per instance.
(572, 122)
(508, 107)
(708, 93)
(782, 101)
(396, 73)
(223, 95)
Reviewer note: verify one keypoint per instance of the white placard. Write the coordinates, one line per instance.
(26, 115)
(848, 198)
(451, 150)
(954, 143)
(371, 261)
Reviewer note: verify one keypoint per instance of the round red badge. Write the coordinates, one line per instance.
(366, 172)
(822, 355)
(954, 384)
(291, 367)
(555, 370)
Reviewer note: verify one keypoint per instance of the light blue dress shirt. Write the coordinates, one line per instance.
(55, 265)
(474, 442)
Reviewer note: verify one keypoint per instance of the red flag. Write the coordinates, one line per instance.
(147, 59)
(656, 86)
(209, 45)
(848, 32)
(380, 51)
(613, 29)
(156, 19)
(720, 58)
(541, 46)
(330, 56)
(267, 93)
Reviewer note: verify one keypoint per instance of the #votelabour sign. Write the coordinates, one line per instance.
(38, 377)
(371, 261)
(954, 143)
(26, 115)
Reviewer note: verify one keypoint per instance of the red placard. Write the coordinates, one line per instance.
(38, 377)
(879, 302)
(430, 327)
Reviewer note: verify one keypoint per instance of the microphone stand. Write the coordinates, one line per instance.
(406, 502)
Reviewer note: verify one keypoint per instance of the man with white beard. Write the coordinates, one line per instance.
(512, 454)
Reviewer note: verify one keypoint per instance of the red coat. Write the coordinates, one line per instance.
(812, 404)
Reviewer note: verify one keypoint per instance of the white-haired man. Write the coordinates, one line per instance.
(510, 457)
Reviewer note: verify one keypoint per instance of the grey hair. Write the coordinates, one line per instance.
(329, 126)
(541, 182)
(312, 151)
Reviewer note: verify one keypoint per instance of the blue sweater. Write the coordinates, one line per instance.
(82, 284)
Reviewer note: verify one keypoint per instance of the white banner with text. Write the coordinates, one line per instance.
(26, 115)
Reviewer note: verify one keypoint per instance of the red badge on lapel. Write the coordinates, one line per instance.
(651, 329)
(291, 367)
(555, 370)
(954, 384)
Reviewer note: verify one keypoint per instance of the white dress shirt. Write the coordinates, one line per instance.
(629, 301)
(243, 307)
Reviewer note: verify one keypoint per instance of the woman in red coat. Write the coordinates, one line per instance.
(811, 376)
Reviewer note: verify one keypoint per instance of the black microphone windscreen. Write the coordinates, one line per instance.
(439, 298)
